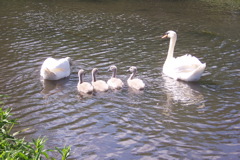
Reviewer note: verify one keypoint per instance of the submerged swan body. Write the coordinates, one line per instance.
(185, 68)
(53, 69)
(98, 85)
(135, 83)
(113, 82)
(83, 87)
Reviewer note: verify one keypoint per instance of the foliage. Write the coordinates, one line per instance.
(12, 148)
(225, 4)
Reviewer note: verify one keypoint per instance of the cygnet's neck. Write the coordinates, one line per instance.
(114, 73)
(80, 78)
(132, 75)
(94, 77)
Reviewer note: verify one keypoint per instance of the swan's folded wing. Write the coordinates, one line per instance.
(52, 63)
(186, 63)
(62, 63)
(187, 59)
(58, 70)
(186, 68)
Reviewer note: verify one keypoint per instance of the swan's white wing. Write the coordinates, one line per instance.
(187, 68)
(52, 63)
(186, 63)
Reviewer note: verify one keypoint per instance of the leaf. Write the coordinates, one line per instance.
(22, 155)
(45, 154)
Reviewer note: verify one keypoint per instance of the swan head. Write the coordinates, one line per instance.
(112, 68)
(81, 72)
(94, 71)
(170, 34)
(132, 69)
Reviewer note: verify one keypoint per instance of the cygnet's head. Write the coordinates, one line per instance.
(133, 69)
(112, 68)
(81, 72)
(94, 71)
(170, 34)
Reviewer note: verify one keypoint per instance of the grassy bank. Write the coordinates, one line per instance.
(225, 4)
(12, 148)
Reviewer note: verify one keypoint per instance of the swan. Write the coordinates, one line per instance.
(185, 68)
(55, 69)
(135, 83)
(98, 85)
(113, 82)
(83, 87)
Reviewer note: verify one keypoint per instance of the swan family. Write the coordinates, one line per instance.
(186, 68)
(96, 85)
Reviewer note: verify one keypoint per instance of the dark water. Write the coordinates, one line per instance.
(169, 120)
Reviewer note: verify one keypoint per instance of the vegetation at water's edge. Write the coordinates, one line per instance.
(12, 148)
(229, 4)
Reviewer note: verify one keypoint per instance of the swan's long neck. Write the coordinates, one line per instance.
(171, 48)
(80, 78)
(114, 73)
(132, 75)
(94, 77)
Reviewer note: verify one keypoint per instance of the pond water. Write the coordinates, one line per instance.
(168, 120)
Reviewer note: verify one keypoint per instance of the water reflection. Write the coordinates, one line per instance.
(52, 87)
(182, 92)
(123, 124)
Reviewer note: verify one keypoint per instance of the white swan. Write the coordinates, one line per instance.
(113, 82)
(83, 87)
(53, 69)
(186, 68)
(135, 83)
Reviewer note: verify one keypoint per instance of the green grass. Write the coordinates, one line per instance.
(12, 148)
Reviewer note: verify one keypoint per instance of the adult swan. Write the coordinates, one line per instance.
(55, 69)
(185, 68)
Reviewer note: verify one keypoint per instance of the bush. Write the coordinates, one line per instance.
(12, 148)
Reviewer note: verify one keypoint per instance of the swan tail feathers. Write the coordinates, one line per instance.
(197, 73)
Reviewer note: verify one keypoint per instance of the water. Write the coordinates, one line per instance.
(169, 120)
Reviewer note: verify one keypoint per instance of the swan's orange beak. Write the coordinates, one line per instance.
(165, 36)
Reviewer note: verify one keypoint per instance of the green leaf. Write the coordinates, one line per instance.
(23, 156)
(45, 154)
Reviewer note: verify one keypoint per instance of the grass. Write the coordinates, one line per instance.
(12, 148)
(225, 4)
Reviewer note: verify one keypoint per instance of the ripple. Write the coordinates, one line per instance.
(168, 120)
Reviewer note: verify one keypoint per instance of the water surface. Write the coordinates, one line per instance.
(168, 120)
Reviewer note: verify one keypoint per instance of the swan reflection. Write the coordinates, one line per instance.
(51, 87)
(182, 92)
